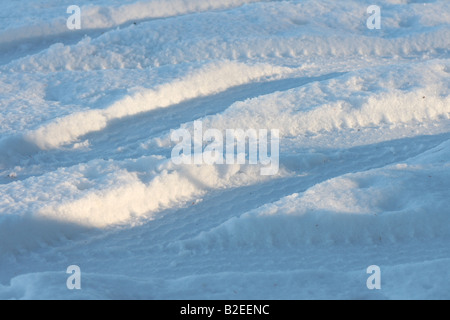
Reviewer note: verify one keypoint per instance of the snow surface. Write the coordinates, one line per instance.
(86, 177)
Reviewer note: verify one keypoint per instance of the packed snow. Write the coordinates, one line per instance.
(87, 178)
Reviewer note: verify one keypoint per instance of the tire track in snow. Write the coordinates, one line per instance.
(132, 131)
(209, 80)
(218, 206)
(98, 20)
(326, 166)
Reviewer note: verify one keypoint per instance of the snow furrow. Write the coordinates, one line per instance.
(370, 207)
(360, 97)
(94, 17)
(209, 80)
(157, 43)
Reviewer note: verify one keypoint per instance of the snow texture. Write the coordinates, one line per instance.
(86, 177)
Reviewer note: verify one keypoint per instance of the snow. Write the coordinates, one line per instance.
(86, 176)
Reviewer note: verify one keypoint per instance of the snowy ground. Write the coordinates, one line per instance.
(85, 171)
